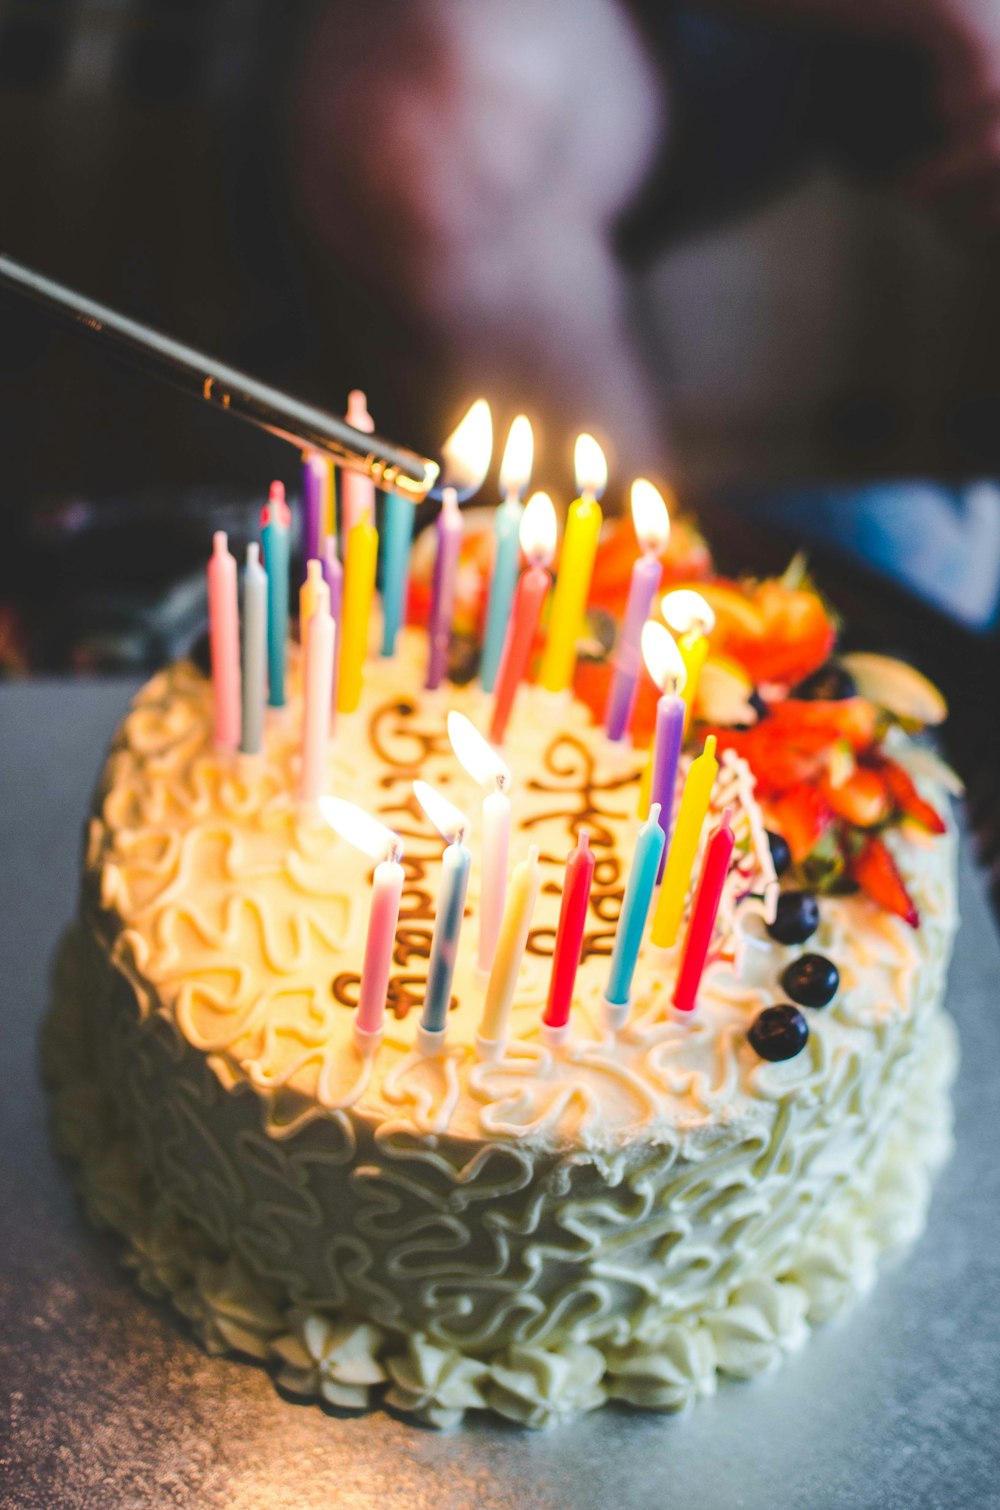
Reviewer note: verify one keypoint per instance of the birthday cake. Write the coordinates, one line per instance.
(524, 1212)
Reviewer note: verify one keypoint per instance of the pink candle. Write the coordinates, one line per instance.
(317, 681)
(357, 493)
(449, 544)
(538, 542)
(569, 934)
(714, 869)
(387, 889)
(224, 639)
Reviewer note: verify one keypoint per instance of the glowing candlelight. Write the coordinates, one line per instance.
(576, 567)
(467, 451)
(359, 588)
(254, 652)
(224, 641)
(442, 615)
(538, 542)
(485, 766)
(275, 522)
(515, 472)
(569, 939)
(632, 919)
(521, 898)
(652, 528)
(714, 870)
(666, 666)
(452, 825)
(691, 617)
(684, 846)
(357, 492)
(380, 843)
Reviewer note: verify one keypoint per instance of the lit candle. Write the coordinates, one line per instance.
(515, 471)
(576, 567)
(569, 939)
(333, 576)
(357, 492)
(689, 616)
(451, 824)
(632, 919)
(380, 843)
(254, 652)
(684, 846)
(359, 588)
(317, 677)
(315, 469)
(397, 539)
(275, 522)
(313, 595)
(486, 767)
(715, 868)
(521, 898)
(652, 528)
(465, 455)
(224, 641)
(538, 542)
(442, 615)
(665, 666)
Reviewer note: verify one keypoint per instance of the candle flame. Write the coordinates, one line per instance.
(467, 451)
(664, 661)
(650, 517)
(475, 754)
(450, 822)
(537, 533)
(518, 455)
(687, 612)
(360, 828)
(590, 467)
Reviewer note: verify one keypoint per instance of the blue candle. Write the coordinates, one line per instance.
(635, 911)
(254, 652)
(396, 539)
(447, 931)
(503, 584)
(276, 520)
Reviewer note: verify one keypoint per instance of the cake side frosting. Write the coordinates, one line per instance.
(616, 1217)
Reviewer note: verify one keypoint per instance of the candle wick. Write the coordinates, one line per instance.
(503, 781)
(396, 852)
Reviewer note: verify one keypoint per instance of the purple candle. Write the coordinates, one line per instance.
(312, 507)
(449, 541)
(333, 576)
(665, 665)
(652, 528)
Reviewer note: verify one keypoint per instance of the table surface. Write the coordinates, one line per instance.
(113, 1404)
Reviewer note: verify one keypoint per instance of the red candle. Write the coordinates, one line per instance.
(714, 869)
(538, 540)
(569, 933)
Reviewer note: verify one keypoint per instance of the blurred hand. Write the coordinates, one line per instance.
(962, 180)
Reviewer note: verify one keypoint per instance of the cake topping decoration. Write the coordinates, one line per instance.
(812, 980)
(779, 1032)
(796, 919)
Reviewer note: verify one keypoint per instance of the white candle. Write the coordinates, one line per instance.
(316, 697)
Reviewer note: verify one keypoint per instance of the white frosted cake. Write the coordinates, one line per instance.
(622, 1217)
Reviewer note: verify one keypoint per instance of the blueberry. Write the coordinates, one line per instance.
(797, 917)
(831, 682)
(781, 855)
(812, 980)
(779, 1032)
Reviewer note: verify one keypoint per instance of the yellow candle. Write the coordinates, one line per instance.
(569, 600)
(522, 893)
(359, 589)
(684, 846)
(694, 649)
(313, 594)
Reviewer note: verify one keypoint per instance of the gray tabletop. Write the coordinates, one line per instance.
(113, 1405)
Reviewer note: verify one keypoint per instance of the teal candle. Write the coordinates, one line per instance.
(503, 583)
(277, 547)
(447, 931)
(635, 909)
(254, 652)
(396, 538)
